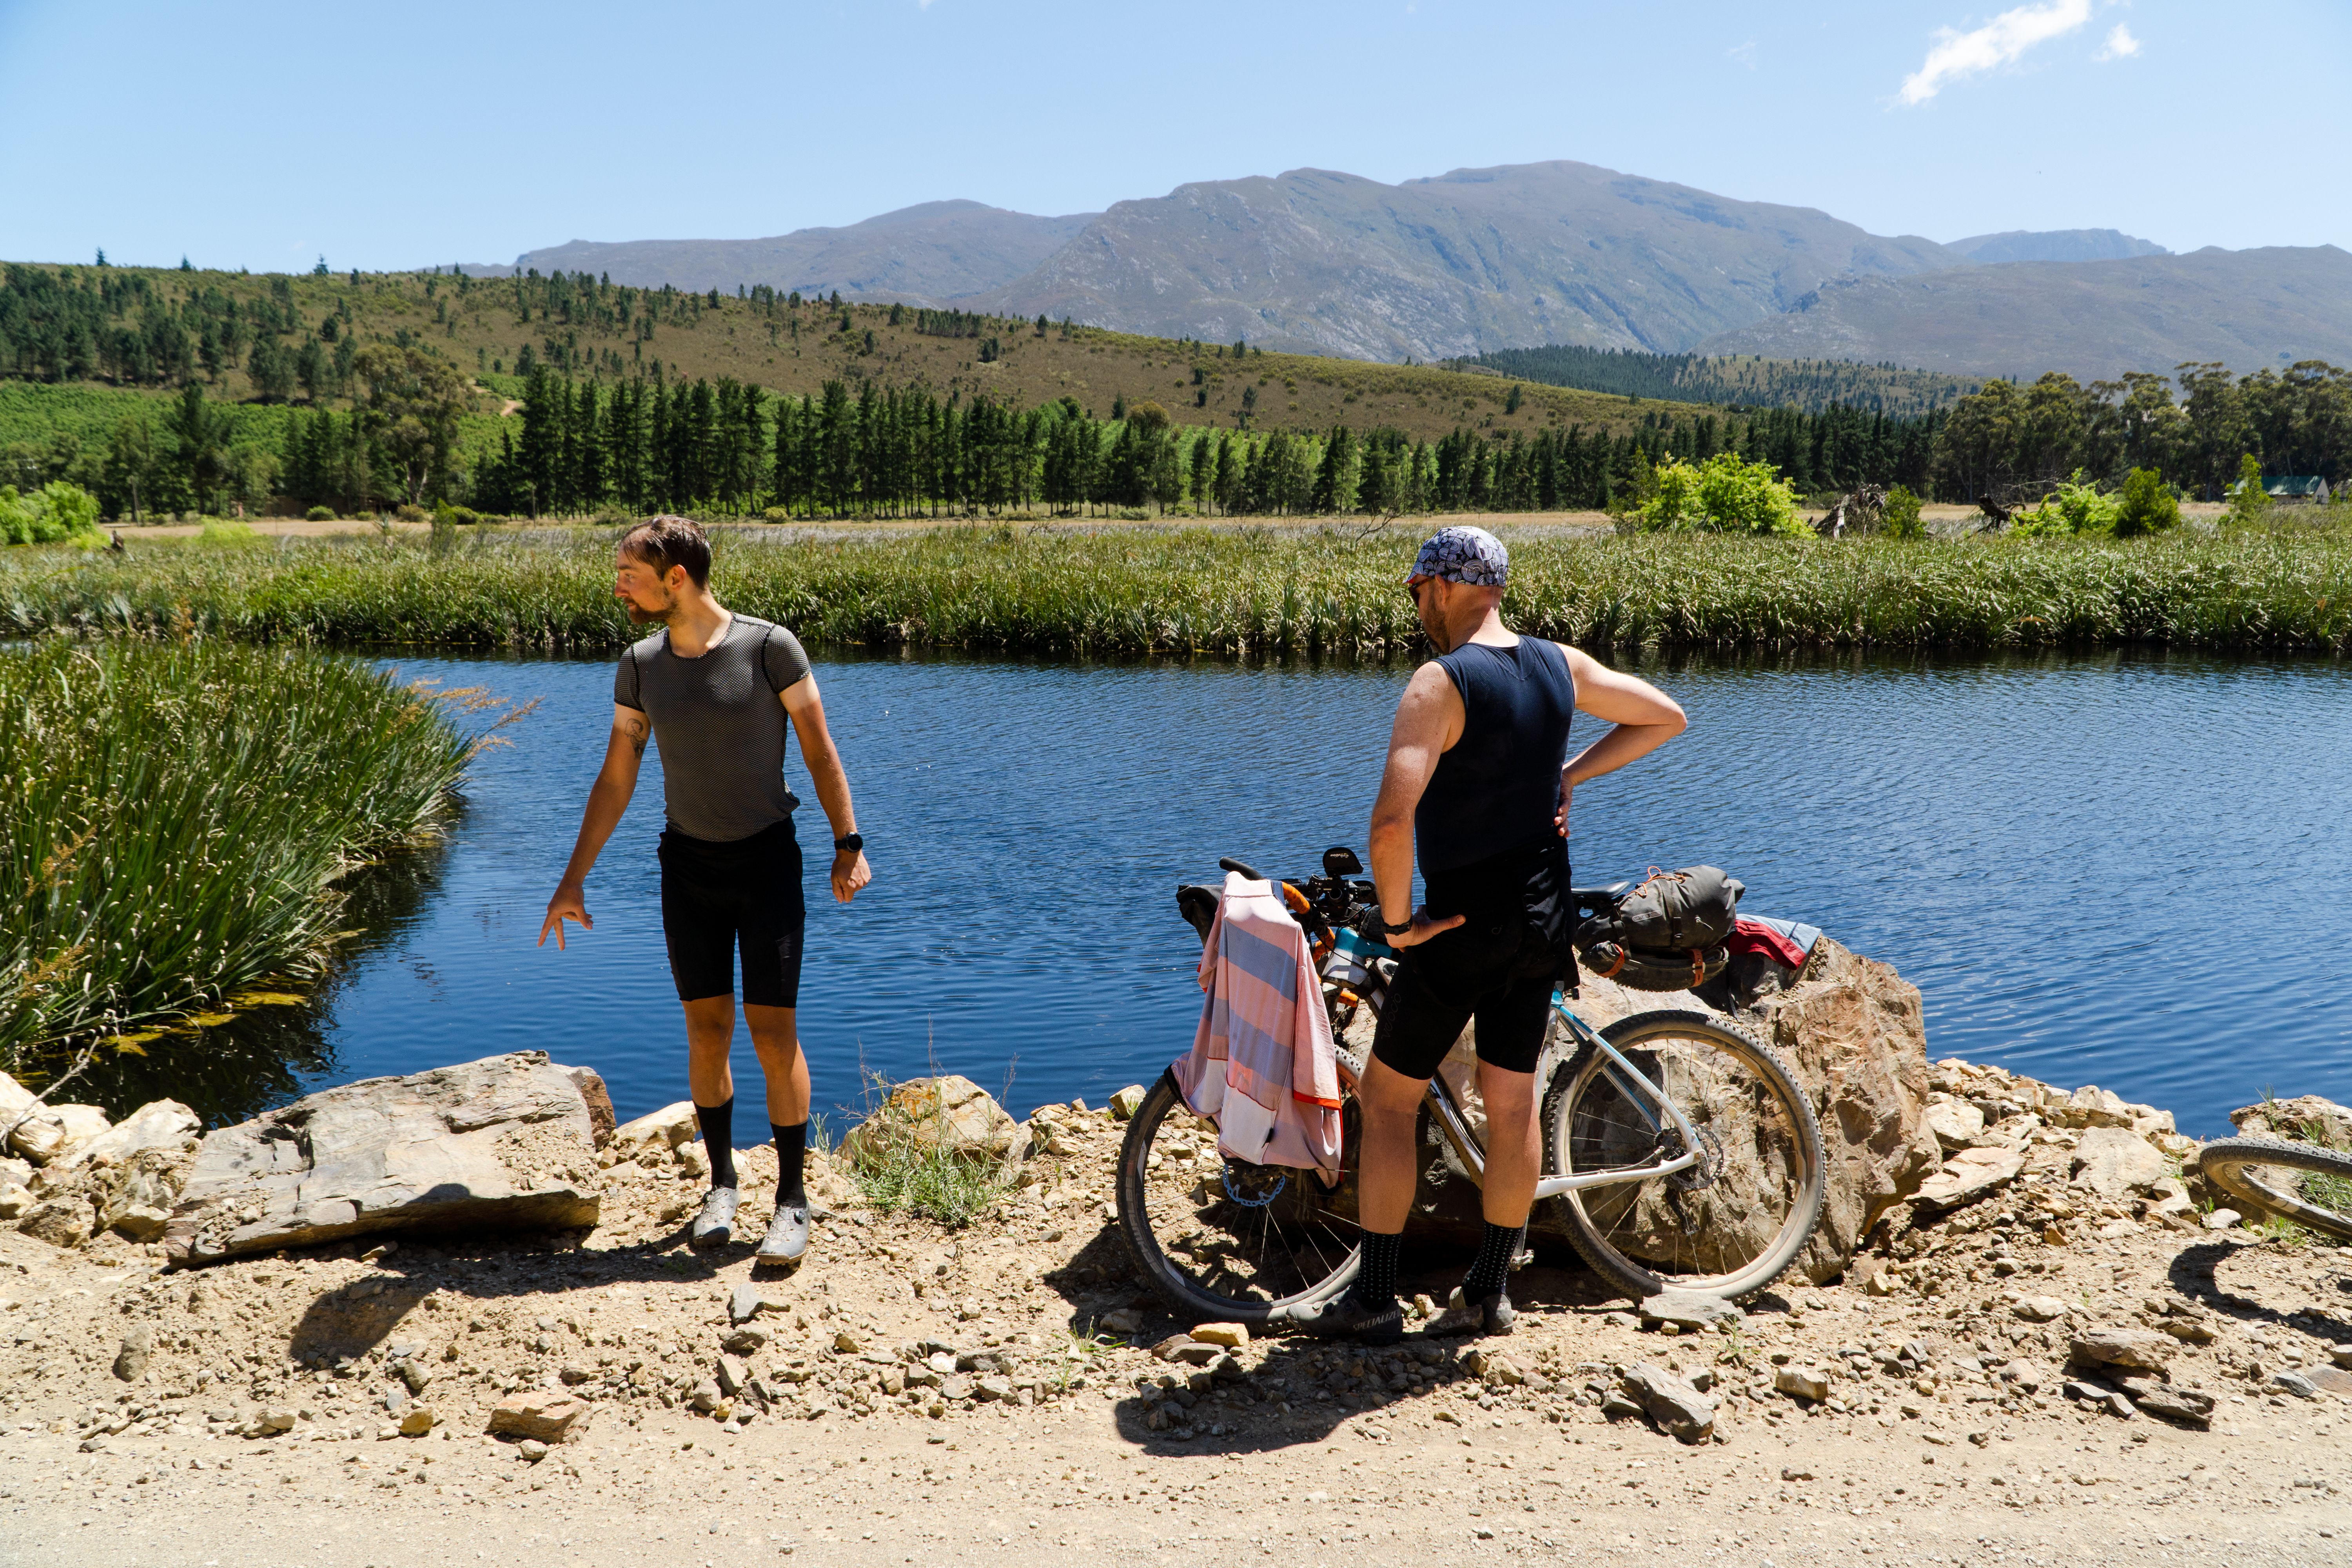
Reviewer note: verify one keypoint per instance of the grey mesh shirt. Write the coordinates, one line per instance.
(720, 724)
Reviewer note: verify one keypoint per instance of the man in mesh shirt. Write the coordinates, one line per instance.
(715, 689)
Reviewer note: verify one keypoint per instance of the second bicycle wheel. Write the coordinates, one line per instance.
(1732, 1222)
(1221, 1239)
(2299, 1182)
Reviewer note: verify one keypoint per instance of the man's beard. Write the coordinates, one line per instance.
(645, 617)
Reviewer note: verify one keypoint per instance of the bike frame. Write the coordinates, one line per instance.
(1625, 1074)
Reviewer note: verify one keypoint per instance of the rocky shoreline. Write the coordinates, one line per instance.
(2009, 1262)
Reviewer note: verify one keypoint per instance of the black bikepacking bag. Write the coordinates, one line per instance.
(1667, 935)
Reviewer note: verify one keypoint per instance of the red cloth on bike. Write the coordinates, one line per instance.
(1263, 1064)
(1752, 934)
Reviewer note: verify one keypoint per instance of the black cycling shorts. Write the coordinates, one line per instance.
(1498, 966)
(717, 897)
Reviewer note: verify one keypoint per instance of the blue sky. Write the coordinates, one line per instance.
(262, 134)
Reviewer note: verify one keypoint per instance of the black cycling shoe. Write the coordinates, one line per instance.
(1351, 1318)
(1488, 1314)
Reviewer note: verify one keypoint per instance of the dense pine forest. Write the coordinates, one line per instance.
(1738, 381)
(178, 392)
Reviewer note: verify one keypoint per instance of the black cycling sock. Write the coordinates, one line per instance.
(1493, 1270)
(1376, 1274)
(792, 1144)
(718, 1139)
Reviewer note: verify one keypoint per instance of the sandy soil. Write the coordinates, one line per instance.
(1050, 1443)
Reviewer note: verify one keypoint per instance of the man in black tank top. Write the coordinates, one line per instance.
(1478, 780)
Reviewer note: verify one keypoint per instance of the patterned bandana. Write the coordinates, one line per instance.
(1465, 554)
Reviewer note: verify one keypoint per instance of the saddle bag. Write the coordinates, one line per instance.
(1668, 934)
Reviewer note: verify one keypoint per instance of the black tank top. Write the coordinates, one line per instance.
(1499, 788)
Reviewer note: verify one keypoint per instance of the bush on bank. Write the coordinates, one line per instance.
(179, 816)
(1252, 592)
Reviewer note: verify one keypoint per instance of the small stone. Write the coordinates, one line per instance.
(2182, 1407)
(846, 1342)
(1616, 1406)
(2106, 1399)
(2295, 1382)
(991, 1388)
(2129, 1348)
(1193, 1353)
(2039, 1309)
(1423, 1307)
(1968, 1174)
(1796, 1473)
(551, 1417)
(2341, 1355)
(1690, 1309)
(1230, 1336)
(1956, 1123)
(1124, 1321)
(2115, 1162)
(2188, 1331)
(2221, 1219)
(270, 1423)
(531, 1449)
(1802, 1384)
(744, 1341)
(1679, 1409)
(419, 1420)
(130, 1358)
(747, 1301)
(1127, 1103)
(732, 1376)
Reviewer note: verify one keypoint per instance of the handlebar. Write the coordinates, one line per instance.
(1227, 863)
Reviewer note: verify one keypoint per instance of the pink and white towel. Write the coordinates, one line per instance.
(1261, 1065)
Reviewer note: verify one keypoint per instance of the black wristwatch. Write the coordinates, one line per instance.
(1397, 930)
(849, 846)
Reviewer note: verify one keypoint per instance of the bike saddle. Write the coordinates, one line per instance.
(1605, 894)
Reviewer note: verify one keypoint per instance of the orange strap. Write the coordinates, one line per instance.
(1698, 966)
(1615, 964)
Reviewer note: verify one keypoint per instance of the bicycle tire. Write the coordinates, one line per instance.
(2233, 1165)
(1322, 1269)
(1573, 1088)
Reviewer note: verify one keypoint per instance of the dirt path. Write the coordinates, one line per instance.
(1056, 1440)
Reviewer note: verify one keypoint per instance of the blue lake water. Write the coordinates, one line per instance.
(2126, 870)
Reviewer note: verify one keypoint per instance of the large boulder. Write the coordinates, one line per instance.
(158, 1124)
(1849, 1027)
(949, 1112)
(2114, 1162)
(505, 1141)
(2306, 1118)
(1852, 1032)
(52, 1132)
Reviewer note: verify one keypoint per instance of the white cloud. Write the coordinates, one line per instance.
(2121, 45)
(1744, 53)
(1997, 43)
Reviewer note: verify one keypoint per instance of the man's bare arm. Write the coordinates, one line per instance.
(1642, 719)
(1428, 721)
(608, 799)
(806, 709)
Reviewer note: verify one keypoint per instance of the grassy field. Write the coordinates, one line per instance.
(1315, 592)
(794, 351)
(180, 816)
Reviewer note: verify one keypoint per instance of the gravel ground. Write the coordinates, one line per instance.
(922, 1396)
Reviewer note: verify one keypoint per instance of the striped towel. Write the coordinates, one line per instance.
(1262, 1064)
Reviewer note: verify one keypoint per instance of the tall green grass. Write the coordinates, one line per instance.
(1232, 591)
(178, 816)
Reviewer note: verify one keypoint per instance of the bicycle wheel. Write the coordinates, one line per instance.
(1729, 1224)
(2301, 1181)
(1221, 1239)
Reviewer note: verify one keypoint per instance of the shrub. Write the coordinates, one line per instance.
(775, 514)
(413, 515)
(2146, 506)
(2075, 508)
(1900, 517)
(228, 530)
(56, 511)
(1725, 494)
(2249, 501)
(319, 514)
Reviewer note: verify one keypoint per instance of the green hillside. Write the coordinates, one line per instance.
(1738, 380)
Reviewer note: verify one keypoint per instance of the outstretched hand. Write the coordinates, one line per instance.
(569, 904)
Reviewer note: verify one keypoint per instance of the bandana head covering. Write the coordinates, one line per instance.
(1465, 554)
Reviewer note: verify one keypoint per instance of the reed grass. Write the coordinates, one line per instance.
(179, 815)
(1232, 591)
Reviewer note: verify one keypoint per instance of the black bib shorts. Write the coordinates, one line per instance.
(715, 897)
